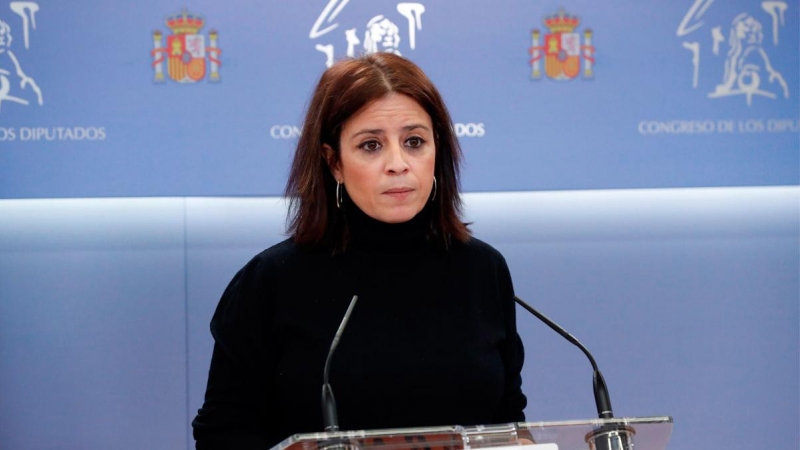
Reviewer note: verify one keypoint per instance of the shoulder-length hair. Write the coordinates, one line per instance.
(344, 89)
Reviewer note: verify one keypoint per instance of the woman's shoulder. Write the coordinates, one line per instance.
(278, 253)
(267, 275)
(476, 248)
(283, 256)
(477, 256)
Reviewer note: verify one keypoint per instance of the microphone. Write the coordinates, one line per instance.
(607, 437)
(330, 416)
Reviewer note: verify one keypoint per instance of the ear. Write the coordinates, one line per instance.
(334, 163)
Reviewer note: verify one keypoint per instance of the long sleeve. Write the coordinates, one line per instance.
(513, 402)
(237, 398)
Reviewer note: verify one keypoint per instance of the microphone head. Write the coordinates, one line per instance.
(329, 414)
(601, 397)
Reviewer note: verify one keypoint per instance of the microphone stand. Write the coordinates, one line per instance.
(607, 437)
(330, 415)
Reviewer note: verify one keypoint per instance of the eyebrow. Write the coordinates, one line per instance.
(411, 127)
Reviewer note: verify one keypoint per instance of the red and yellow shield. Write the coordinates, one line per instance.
(187, 57)
(562, 55)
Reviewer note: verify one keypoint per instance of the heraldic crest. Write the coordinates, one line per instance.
(185, 51)
(562, 49)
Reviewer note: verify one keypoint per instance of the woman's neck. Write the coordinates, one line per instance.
(367, 233)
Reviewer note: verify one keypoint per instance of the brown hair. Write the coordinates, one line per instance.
(343, 90)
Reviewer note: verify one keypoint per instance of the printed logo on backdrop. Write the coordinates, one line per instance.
(185, 54)
(18, 86)
(735, 57)
(385, 32)
(469, 130)
(746, 68)
(389, 31)
(560, 52)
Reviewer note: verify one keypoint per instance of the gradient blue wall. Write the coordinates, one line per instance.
(687, 297)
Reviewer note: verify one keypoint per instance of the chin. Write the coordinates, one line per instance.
(398, 215)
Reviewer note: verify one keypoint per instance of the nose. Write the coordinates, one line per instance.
(396, 159)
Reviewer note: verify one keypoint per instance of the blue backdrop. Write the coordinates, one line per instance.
(636, 162)
(652, 94)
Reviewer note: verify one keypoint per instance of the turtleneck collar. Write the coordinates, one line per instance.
(366, 233)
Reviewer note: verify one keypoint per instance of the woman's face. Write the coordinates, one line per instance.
(387, 158)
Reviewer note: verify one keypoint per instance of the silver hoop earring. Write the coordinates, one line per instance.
(433, 197)
(339, 198)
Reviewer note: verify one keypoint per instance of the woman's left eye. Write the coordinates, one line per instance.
(415, 142)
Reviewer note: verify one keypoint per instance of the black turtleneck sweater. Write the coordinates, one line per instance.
(432, 340)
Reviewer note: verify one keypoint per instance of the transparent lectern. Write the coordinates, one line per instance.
(645, 433)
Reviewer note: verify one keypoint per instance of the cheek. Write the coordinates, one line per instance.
(428, 164)
(358, 177)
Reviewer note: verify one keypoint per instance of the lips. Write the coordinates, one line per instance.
(398, 194)
(402, 190)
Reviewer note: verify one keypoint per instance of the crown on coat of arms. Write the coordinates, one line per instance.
(185, 22)
(561, 23)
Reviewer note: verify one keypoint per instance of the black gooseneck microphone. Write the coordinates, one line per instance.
(609, 437)
(601, 397)
(330, 416)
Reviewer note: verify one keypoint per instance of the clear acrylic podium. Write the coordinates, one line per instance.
(645, 433)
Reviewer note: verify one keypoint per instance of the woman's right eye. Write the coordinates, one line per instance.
(370, 146)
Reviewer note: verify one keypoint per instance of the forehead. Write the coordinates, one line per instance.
(391, 109)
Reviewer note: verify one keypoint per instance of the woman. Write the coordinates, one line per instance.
(374, 213)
